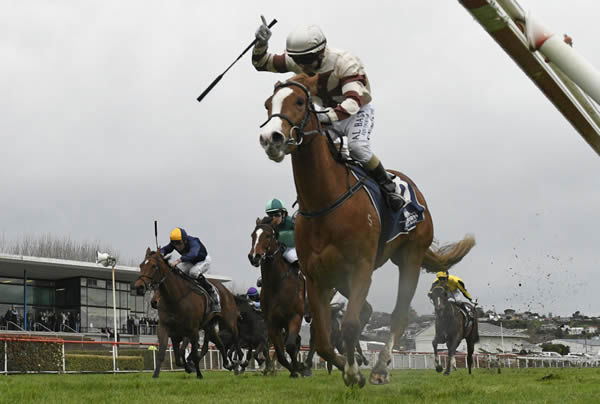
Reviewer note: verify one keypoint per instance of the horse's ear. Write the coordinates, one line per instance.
(277, 84)
(148, 251)
(257, 221)
(312, 83)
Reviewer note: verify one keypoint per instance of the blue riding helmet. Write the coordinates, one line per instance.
(252, 292)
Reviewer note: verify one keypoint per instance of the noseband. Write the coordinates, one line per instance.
(153, 284)
(298, 128)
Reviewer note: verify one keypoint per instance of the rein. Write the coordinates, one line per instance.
(299, 129)
(266, 257)
(153, 284)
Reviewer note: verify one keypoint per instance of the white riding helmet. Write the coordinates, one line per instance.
(305, 40)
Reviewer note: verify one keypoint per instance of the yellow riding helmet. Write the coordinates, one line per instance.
(177, 234)
(442, 274)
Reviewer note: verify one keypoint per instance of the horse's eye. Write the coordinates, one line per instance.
(300, 102)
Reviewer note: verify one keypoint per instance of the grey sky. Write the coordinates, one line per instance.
(101, 134)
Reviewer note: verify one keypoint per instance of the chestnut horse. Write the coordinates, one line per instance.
(182, 312)
(281, 295)
(338, 229)
(451, 328)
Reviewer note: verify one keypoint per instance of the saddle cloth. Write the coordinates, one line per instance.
(197, 288)
(393, 224)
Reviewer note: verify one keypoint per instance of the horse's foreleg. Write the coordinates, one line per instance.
(277, 340)
(409, 265)
(470, 349)
(194, 355)
(163, 341)
(308, 363)
(351, 325)
(177, 351)
(292, 343)
(321, 313)
(214, 337)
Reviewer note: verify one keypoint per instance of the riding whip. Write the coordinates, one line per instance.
(220, 76)
(156, 233)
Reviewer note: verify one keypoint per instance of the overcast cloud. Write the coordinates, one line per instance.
(101, 134)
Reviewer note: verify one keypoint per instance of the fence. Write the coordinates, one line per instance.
(77, 356)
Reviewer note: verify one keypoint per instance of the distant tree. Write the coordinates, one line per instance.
(52, 246)
(560, 348)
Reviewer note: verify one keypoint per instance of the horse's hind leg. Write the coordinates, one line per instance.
(308, 362)
(214, 337)
(409, 261)
(470, 349)
(292, 343)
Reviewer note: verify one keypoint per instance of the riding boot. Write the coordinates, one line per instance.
(389, 188)
(259, 282)
(212, 293)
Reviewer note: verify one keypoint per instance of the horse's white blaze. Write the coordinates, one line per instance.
(274, 125)
(145, 262)
(257, 235)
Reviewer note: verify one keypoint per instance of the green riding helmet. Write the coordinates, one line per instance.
(275, 205)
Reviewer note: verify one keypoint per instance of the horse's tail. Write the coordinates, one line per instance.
(446, 256)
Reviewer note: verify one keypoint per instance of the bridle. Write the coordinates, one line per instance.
(266, 256)
(299, 127)
(437, 305)
(154, 284)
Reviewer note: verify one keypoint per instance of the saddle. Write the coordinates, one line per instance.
(197, 288)
(467, 310)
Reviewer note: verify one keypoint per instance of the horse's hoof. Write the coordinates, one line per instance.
(307, 372)
(155, 376)
(439, 369)
(294, 375)
(361, 380)
(379, 377)
(365, 362)
(199, 376)
(446, 373)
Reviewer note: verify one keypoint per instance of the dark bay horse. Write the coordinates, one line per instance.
(337, 231)
(181, 311)
(281, 295)
(451, 327)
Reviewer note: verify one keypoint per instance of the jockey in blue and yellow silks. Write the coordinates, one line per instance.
(194, 260)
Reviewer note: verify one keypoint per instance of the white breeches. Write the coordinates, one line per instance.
(194, 270)
(290, 255)
(358, 129)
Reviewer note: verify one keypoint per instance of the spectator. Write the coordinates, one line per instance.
(136, 325)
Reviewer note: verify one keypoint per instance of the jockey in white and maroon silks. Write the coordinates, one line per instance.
(344, 92)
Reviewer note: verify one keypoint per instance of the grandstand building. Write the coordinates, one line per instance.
(70, 296)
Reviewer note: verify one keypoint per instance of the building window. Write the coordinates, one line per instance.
(96, 297)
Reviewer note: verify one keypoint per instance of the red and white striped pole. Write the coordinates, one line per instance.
(558, 51)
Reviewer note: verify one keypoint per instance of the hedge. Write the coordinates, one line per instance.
(144, 353)
(26, 356)
(101, 363)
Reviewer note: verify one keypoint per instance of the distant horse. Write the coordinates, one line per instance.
(451, 327)
(337, 312)
(281, 296)
(337, 230)
(253, 336)
(182, 312)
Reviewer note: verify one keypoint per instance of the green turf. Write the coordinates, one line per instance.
(409, 386)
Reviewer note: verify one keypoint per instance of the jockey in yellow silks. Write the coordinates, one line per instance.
(453, 284)
(344, 92)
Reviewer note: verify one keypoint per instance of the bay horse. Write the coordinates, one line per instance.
(281, 295)
(337, 230)
(181, 311)
(451, 328)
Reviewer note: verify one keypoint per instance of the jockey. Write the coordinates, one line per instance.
(344, 92)
(194, 260)
(453, 284)
(285, 227)
(254, 298)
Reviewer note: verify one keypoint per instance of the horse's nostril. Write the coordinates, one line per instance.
(263, 140)
(277, 137)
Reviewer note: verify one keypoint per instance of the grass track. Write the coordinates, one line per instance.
(410, 386)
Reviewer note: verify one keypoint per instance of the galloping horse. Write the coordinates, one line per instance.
(281, 296)
(337, 230)
(450, 327)
(182, 312)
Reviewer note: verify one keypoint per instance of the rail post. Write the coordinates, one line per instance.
(5, 357)
(64, 367)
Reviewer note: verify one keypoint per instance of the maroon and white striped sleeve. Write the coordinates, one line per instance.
(265, 61)
(355, 88)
